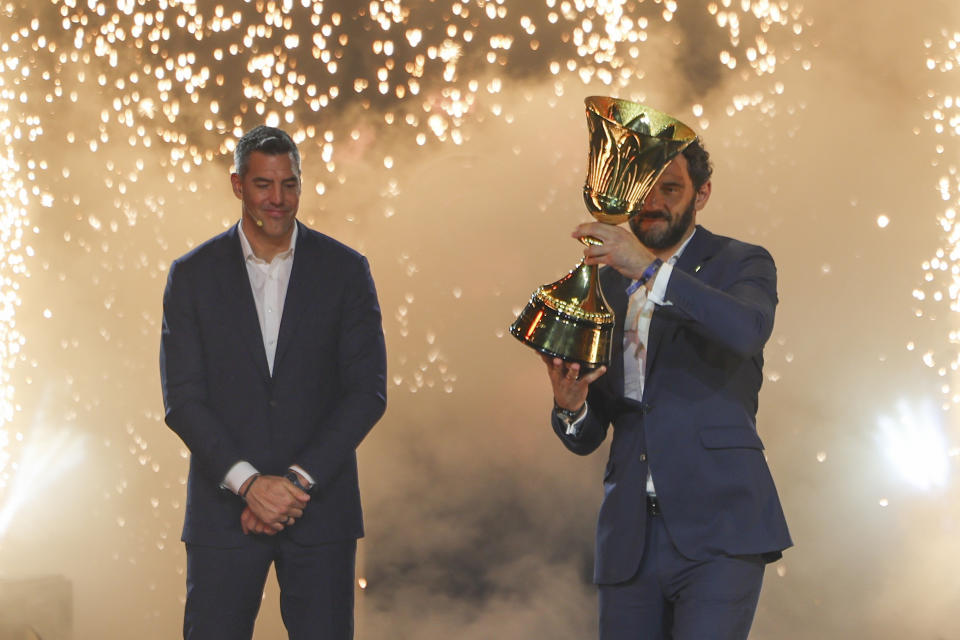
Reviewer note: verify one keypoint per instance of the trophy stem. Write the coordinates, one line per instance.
(591, 241)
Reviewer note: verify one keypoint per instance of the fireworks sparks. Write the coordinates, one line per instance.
(187, 80)
(180, 66)
(115, 115)
(941, 273)
(118, 117)
(14, 196)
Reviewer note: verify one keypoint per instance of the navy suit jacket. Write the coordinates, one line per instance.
(327, 390)
(696, 425)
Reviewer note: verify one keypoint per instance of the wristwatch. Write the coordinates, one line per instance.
(294, 479)
(567, 415)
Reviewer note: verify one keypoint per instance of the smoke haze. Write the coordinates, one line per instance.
(479, 523)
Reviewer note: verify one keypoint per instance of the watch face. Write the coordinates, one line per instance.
(295, 480)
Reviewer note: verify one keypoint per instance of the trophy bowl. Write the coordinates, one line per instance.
(630, 146)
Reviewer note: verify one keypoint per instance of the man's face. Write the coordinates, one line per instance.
(669, 213)
(270, 196)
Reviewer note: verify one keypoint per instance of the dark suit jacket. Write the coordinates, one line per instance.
(327, 390)
(696, 425)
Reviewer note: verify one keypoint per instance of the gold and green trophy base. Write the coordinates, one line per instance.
(569, 319)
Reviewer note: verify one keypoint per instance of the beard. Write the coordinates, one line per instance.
(663, 238)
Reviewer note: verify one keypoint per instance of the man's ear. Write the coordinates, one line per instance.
(703, 194)
(237, 183)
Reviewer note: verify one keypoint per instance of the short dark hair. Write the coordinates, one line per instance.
(698, 164)
(268, 140)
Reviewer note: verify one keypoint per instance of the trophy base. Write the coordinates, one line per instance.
(559, 335)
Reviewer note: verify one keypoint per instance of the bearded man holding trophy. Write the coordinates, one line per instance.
(665, 344)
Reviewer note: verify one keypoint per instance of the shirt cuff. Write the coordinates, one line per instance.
(238, 474)
(573, 426)
(659, 287)
(302, 472)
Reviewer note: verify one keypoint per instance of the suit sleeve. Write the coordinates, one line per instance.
(593, 428)
(183, 379)
(363, 382)
(739, 315)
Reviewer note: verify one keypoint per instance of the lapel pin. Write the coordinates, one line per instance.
(697, 268)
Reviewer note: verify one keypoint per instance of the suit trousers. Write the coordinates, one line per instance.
(672, 597)
(225, 588)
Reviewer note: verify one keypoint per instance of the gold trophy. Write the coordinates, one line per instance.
(630, 146)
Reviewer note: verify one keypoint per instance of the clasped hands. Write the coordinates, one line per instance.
(273, 503)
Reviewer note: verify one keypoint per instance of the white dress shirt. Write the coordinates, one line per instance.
(636, 333)
(268, 283)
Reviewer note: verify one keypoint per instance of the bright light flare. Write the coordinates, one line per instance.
(47, 454)
(915, 445)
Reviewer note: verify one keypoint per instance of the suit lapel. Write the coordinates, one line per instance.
(699, 250)
(615, 291)
(238, 299)
(299, 291)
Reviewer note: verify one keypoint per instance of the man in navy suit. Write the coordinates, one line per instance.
(273, 369)
(690, 514)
